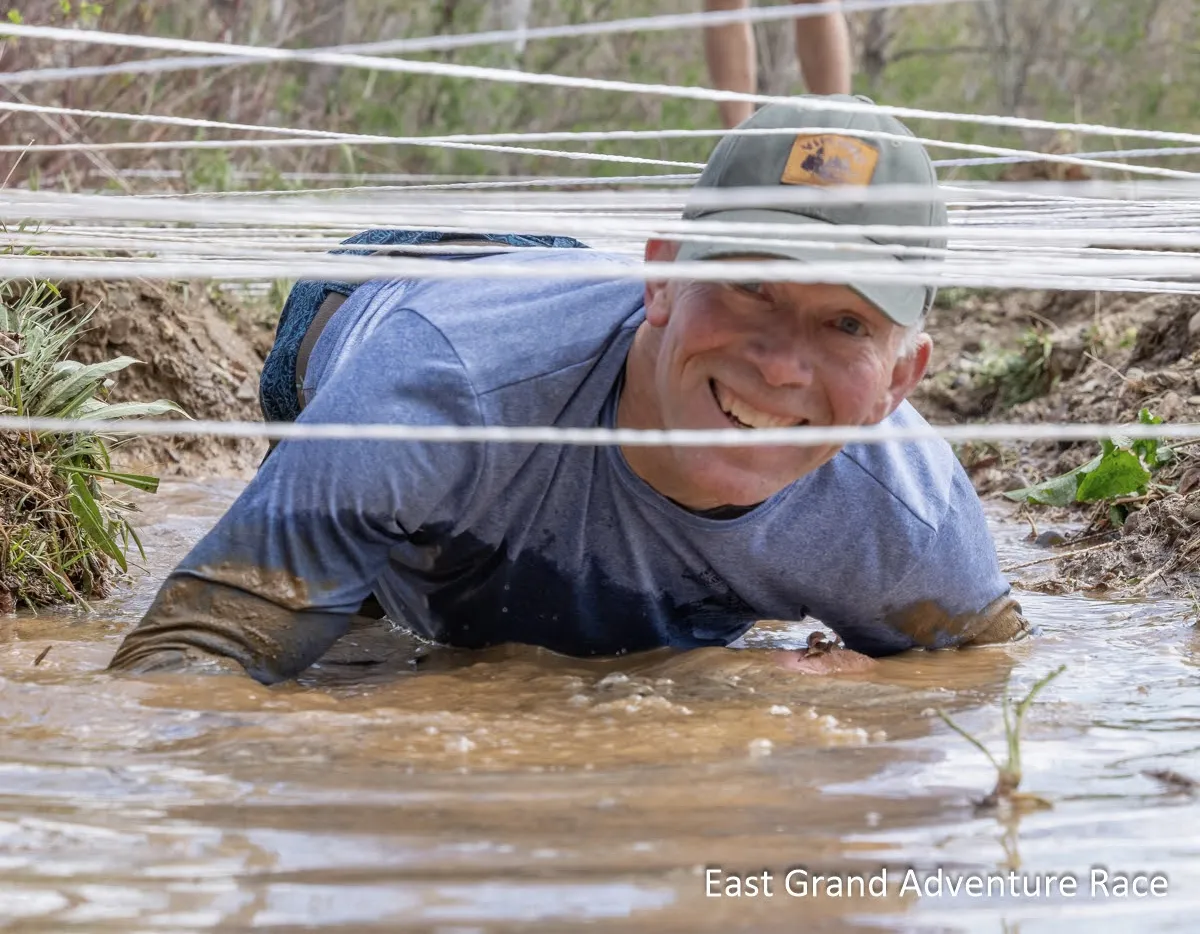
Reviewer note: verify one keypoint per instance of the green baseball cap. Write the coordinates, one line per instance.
(820, 156)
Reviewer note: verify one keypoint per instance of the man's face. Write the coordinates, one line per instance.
(760, 355)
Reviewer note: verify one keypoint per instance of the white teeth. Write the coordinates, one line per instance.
(748, 415)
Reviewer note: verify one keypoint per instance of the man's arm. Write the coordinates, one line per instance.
(273, 585)
(951, 593)
(196, 624)
(954, 594)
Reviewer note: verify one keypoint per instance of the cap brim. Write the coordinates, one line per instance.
(903, 304)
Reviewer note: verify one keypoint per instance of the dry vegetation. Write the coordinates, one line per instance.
(1080, 357)
(1127, 62)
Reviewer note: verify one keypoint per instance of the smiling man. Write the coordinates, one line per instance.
(602, 550)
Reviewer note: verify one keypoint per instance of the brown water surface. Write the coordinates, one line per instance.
(399, 786)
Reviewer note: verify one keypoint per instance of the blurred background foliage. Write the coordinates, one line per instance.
(1121, 62)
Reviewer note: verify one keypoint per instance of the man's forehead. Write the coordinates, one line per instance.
(808, 293)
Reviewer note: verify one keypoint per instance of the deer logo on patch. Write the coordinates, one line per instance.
(828, 159)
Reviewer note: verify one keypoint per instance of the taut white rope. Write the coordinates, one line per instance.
(1162, 152)
(601, 437)
(1132, 277)
(1138, 231)
(489, 141)
(320, 134)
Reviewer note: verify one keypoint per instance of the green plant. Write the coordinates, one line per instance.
(61, 524)
(1016, 376)
(1008, 774)
(1122, 468)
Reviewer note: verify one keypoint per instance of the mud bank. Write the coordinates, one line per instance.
(198, 348)
(1078, 357)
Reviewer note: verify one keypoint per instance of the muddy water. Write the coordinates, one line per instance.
(402, 787)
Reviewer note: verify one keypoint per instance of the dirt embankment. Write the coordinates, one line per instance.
(197, 348)
(1078, 357)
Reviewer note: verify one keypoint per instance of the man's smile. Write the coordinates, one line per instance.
(744, 415)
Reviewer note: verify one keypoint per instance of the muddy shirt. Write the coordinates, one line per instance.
(558, 546)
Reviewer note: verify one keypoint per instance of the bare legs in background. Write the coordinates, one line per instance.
(822, 46)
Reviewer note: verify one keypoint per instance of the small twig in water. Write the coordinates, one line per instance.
(42, 655)
(1176, 783)
(1060, 557)
(1145, 582)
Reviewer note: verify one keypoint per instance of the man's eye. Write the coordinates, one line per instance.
(851, 325)
(750, 288)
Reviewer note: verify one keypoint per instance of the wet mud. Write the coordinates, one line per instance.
(195, 347)
(401, 786)
(1032, 357)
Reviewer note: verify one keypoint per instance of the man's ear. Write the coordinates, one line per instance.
(908, 371)
(657, 298)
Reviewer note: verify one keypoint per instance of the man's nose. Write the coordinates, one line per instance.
(783, 357)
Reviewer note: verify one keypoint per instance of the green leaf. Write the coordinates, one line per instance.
(1057, 491)
(131, 532)
(1119, 473)
(65, 394)
(1147, 448)
(136, 480)
(91, 522)
(94, 408)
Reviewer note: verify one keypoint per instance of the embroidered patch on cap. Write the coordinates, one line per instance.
(828, 159)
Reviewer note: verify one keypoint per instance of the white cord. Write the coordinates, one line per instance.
(488, 142)
(1110, 275)
(159, 120)
(600, 437)
(15, 206)
(1157, 153)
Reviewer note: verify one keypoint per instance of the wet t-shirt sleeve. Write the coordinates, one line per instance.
(274, 583)
(950, 593)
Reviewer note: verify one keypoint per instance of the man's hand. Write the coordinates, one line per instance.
(823, 657)
(837, 662)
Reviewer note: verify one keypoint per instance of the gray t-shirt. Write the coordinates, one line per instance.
(562, 546)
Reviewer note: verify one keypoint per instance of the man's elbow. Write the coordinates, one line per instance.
(199, 626)
(929, 625)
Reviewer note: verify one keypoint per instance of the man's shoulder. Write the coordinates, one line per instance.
(922, 479)
(910, 545)
(514, 329)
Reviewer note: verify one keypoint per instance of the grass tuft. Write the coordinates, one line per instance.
(1005, 795)
(63, 530)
